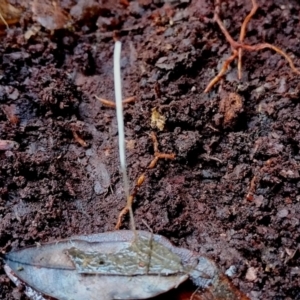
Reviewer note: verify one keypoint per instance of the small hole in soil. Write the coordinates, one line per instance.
(266, 220)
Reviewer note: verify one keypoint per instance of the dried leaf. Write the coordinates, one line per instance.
(157, 120)
(32, 31)
(144, 256)
(29, 292)
(9, 14)
(116, 265)
(49, 269)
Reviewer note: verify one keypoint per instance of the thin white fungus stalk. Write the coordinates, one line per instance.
(120, 119)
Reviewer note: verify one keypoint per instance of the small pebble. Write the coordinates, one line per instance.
(282, 213)
(251, 274)
(231, 271)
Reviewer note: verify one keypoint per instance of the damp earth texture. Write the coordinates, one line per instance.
(232, 191)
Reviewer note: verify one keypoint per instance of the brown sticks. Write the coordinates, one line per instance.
(157, 155)
(238, 47)
(112, 104)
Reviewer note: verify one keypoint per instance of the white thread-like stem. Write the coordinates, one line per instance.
(120, 119)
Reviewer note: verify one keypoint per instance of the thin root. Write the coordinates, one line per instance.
(238, 47)
(123, 212)
(155, 142)
(224, 69)
(157, 155)
(153, 163)
(112, 104)
(243, 34)
(276, 49)
(126, 209)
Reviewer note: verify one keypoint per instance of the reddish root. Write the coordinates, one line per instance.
(129, 203)
(243, 34)
(141, 179)
(112, 104)
(238, 47)
(224, 69)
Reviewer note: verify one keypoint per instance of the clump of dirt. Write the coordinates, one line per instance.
(232, 193)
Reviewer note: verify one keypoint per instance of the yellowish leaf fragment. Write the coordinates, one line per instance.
(32, 31)
(9, 14)
(157, 120)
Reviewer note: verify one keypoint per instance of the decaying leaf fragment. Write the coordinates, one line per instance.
(32, 31)
(157, 119)
(114, 265)
(50, 270)
(144, 256)
(9, 14)
(29, 292)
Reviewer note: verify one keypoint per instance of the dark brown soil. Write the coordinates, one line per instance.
(232, 192)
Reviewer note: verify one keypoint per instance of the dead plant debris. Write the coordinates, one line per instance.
(157, 120)
(231, 106)
(252, 188)
(79, 140)
(238, 47)
(9, 14)
(112, 104)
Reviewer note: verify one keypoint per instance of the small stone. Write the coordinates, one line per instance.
(251, 274)
(98, 188)
(258, 200)
(282, 213)
(14, 95)
(231, 271)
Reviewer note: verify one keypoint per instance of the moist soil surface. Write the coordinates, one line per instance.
(231, 193)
